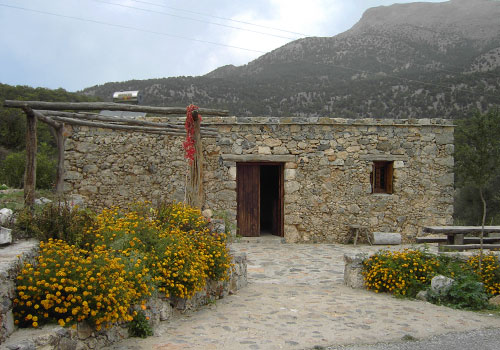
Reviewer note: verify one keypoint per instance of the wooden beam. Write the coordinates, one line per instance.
(119, 127)
(47, 120)
(30, 171)
(92, 106)
(105, 118)
(160, 130)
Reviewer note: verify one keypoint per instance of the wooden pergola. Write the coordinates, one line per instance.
(58, 114)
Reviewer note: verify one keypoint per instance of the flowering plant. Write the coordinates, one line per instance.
(124, 257)
(189, 147)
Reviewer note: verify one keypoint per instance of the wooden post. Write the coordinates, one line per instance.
(31, 149)
(57, 130)
(60, 160)
(195, 195)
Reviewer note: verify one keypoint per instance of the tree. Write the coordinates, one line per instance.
(477, 155)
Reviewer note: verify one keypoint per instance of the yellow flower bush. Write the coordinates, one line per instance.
(399, 272)
(489, 272)
(409, 271)
(69, 285)
(123, 258)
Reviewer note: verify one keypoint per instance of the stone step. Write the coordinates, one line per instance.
(264, 239)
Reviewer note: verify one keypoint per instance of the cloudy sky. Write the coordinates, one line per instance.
(75, 44)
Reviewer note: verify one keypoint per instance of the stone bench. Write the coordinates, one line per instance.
(386, 238)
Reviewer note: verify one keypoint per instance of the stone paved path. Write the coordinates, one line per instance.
(296, 300)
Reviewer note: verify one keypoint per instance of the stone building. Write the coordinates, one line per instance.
(307, 180)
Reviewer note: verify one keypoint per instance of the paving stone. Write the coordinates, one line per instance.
(296, 299)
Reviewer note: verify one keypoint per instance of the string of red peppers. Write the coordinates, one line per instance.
(189, 149)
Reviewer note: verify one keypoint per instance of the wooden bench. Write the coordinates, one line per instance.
(456, 234)
(355, 230)
(442, 239)
(461, 247)
(467, 240)
(456, 240)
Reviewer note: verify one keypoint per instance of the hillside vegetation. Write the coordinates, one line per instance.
(417, 60)
(13, 135)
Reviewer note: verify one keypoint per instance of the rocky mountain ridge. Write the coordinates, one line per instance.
(415, 60)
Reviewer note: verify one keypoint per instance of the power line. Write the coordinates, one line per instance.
(193, 19)
(128, 27)
(235, 47)
(222, 18)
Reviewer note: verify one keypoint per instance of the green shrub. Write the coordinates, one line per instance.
(46, 168)
(465, 293)
(57, 221)
(13, 166)
(229, 224)
(139, 326)
(12, 170)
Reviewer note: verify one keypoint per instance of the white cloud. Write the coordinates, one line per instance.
(310, 18)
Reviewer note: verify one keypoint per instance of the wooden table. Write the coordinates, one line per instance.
(455, 234)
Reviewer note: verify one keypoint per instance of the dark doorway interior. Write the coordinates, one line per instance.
(269, 198)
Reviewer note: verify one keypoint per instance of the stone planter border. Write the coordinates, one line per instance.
(52, 337)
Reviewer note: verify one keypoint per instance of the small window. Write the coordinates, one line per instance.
(381, 177)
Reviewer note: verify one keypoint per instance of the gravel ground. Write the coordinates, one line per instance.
(485, 339)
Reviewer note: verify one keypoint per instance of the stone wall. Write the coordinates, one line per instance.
(327, 163)
(12, 258)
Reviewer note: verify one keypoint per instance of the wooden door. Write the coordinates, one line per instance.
(248, 199)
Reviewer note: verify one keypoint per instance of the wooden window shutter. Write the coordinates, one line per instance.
(372, 178)
(381, 177)
(388, 177)
(378, 178)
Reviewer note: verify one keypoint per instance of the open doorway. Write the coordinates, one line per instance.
(260, 199)
(269, 197)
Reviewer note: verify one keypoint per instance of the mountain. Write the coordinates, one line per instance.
(415, 60)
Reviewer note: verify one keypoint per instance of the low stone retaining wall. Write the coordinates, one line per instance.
(158, 309)
(353, 268)
(12, 258)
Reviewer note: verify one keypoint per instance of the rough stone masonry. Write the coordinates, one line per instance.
(327, 178)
